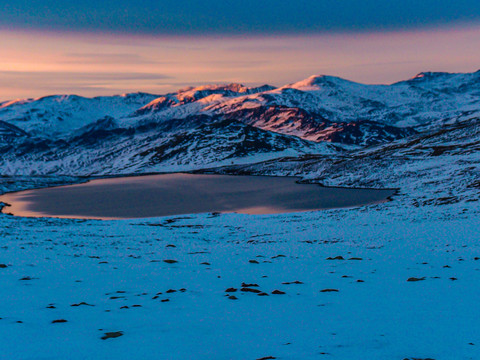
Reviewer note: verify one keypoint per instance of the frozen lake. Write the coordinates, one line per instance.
(175, 194)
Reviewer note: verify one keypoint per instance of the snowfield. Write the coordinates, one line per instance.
(186, 288)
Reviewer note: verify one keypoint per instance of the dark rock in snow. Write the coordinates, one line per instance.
(112, 335)
(246, 289)
(82, 303)
(170, 261)
(293, 282)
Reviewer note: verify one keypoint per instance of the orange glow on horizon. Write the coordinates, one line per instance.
(34, 64)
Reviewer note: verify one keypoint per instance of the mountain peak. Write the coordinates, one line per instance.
(234, 87)
(315, 82)
(429, 75)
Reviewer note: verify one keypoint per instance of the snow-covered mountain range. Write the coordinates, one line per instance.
(216, 125)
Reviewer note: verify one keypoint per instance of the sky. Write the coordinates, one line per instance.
(109, 47)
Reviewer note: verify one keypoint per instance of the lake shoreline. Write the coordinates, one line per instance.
(20, 203)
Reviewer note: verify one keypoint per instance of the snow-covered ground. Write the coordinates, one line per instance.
(115, 271)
